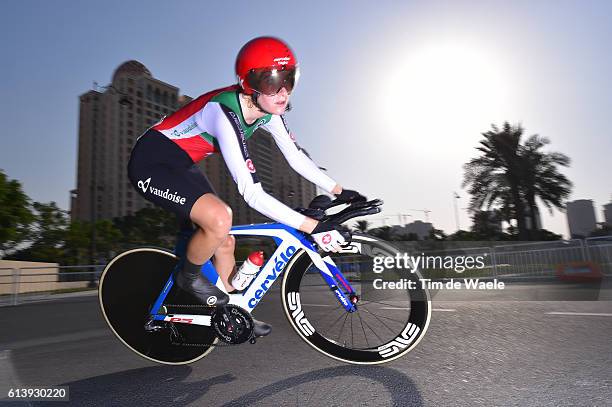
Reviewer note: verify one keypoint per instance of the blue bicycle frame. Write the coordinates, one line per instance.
(289, 241)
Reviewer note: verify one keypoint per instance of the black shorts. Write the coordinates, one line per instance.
(165, 174)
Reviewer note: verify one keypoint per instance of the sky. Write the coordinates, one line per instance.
(392, 99)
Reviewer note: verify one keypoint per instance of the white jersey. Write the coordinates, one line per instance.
(214, 123)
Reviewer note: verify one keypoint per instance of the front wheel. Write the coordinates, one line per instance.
(393, 310)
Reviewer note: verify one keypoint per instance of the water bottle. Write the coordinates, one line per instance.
(247, 271)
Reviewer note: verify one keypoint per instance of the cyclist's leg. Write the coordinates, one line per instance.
(225, 261)
(165, 175)
(186, 230)
(214, 220)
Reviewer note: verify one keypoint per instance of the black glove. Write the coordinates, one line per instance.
(349, 196)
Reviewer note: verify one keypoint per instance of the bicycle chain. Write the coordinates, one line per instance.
(220, 343)
(189, 306)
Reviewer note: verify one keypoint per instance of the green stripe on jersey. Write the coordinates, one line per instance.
(230, 99)
(210, 139)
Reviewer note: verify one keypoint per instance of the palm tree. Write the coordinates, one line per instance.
(541, 178)
(495, 177)
(361, 226)
(511, 176)
(383, 232)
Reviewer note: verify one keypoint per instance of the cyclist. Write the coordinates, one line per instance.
(163, 167)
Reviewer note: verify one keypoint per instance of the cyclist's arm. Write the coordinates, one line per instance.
(297, 159)
(234, 150)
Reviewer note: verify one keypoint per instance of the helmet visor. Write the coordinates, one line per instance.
(269, 81)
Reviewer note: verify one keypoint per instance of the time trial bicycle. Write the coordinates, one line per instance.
(330, 299)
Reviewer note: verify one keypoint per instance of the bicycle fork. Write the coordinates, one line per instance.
(339, 285)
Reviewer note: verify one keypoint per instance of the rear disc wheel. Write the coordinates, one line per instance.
(129, 285)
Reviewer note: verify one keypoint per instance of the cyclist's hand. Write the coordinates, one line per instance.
(348, 196)
(329, 236)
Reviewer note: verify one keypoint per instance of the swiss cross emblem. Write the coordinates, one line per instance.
(250, 165)
(326, 238)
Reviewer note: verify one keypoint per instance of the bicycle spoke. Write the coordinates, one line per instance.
(364, 333)
(381, 321)
(352, 338)
(342, 327)
(337, 319)
(389, 318)
(374, 332)
(379, 302)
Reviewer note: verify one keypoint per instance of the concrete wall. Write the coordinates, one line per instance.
(33, 277)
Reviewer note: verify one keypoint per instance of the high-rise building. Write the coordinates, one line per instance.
(607, 212)
(110, 121)
(420, 228)
(113, 117)
(581, 217)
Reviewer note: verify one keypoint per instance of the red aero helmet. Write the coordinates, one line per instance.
(265, 65)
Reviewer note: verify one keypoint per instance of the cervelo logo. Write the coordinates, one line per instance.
(282, 61)
(279, 264)
(297, 314)
(401, 342)
(172, 197)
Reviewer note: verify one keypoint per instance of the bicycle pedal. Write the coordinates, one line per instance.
(154, 326)
(252, 341)
(175, 334)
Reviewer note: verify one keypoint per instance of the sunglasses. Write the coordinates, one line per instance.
(270, 81)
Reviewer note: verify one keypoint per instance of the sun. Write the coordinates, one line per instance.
(444, 92)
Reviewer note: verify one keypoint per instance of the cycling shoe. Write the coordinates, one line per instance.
(261, 328)
(191, 280)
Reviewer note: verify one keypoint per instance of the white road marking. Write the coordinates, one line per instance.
(433, 309)
(586, 314)
(8, 376)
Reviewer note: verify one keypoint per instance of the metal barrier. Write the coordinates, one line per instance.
(529, 259)
(22, 284)
(534, 259)
(599, 250)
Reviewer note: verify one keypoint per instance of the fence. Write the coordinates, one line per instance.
(20, 284)
(536, 259)
(599, 251)
(533, 259)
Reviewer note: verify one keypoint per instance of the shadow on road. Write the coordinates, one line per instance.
(169, 385)
(402, 390)
(158, 385)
